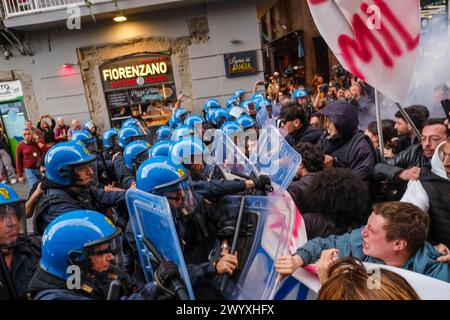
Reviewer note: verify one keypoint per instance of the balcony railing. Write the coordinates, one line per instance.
(23, 7)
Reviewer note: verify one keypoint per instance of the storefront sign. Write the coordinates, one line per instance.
(10, 91)
(240, 64)
(136, 71)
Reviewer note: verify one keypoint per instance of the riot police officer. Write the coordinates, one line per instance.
(20, 252)
(68, 185)
(196, 221)
(80, 261)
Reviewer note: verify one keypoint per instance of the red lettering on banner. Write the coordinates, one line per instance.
(363, 36)
(316, 2)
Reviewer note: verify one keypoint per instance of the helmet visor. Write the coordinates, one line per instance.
(12, 224)
(181, 199)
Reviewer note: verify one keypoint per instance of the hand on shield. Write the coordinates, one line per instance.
(227, 263)
(263, 183)
(166, 272)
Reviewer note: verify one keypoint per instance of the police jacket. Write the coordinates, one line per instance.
(57, 200)
(45, 286)
(124, 175)
(25, 259)
(411, 157)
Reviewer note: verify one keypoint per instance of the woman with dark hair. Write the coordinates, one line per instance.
(339, 201)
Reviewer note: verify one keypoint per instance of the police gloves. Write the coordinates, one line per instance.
(166, 272)
(226, 229)
(263, 183)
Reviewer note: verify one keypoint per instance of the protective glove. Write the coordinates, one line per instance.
(226, 229)
(166, 272)
(263, 183)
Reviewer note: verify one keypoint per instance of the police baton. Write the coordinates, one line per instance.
(225, 278)
(178, 285)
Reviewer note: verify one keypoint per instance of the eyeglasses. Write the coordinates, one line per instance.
(434, 139)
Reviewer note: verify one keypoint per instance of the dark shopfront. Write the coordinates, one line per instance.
(141, 80)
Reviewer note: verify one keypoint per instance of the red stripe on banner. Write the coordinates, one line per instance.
(316, 2)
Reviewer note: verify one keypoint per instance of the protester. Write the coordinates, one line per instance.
(28, 153)
(29, 125)
(407, 135)
(388, 135)
(395, 235)
(76, 125)
(6, 166)
(61, 130)
(47, 129)
(348, 279)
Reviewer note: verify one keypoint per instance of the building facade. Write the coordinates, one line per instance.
(164, 49)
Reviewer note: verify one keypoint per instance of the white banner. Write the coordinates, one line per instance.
(376, 40)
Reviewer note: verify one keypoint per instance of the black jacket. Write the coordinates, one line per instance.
(298, 190)
(351, 148)
(438, 192)
(306, 133)
(57, 200)
(411, 157)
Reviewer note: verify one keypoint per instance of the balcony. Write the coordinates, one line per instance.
(14, 8)
(26, 15)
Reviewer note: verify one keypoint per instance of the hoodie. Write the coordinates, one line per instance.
(361, 159)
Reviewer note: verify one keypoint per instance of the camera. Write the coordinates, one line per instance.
(324, 88)
(339, 71)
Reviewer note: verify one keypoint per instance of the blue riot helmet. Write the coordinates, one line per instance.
(239, 94)
(265, 102)
(161, 176)
(90, 126)
(87, 138)
(250, 106)
(211, 104)
(180, 115)
(301, 96)
(189, 152)
(231, 127)
(258, 96)
(218, 117)
(235, 112)
(163, 133)
(12, 218)
(232, 102)
(181, 132)
(62, 160)
(74, 237)
(192, 119)
(173, 122)
(132, 122)
(130, 134)
(109, 138)
(135, 154)
(246, 122)
(161, 148)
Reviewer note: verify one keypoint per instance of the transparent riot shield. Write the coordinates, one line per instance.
(262, 118)
(265, 235)
(154, 230)
(275, 158)
(229, 158)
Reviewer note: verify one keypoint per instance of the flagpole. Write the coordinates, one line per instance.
(408, 119)
(379, 124)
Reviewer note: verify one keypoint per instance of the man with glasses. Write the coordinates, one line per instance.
(406, 165)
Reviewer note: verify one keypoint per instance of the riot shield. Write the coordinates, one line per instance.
(265, 235)
(226, 155)
(262, 118)
(275, 158)
(154, 229)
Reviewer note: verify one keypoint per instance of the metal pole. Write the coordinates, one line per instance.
(379, 124)
(408, 119)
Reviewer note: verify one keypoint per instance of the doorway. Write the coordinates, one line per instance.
(13, 116)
